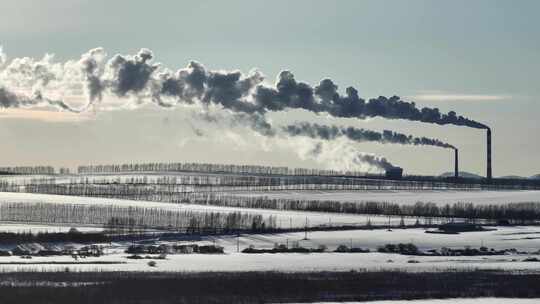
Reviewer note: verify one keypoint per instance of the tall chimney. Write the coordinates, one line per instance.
(456, 168)
(488, 174)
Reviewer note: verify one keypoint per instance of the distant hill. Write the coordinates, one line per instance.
(513, 177)
(537, 176)
(462, 174)
(472, 175)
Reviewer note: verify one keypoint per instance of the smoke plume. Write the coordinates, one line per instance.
(342, 156)
(11, 100)
(373, 160)
(360, 135)
(137, 76)
(288, 93)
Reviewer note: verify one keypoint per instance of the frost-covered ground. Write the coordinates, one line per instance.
(329, 261)
(290, 262)
(525, 238)
(285, 219)
(522, 238)
(37, 228)
(407, 197)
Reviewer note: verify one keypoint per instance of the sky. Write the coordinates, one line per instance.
(478, 58)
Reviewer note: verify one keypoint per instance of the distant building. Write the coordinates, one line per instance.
(459, 227)
(394, 173)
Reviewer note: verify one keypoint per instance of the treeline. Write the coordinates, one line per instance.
(513, 213)
(335, 179)
(27, 170)
(496, 183)
(157, 185)
(135, 217)
(209, 168)
(79, 237)
(237, 182)
(260, 287)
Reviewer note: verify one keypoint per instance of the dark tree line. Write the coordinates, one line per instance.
(137, 185)
(175, 193)
(496, 183)
(276, 178)
(206, 167)
(133, 217)
(27, 170)
(214, 183)
(514, 213)
(80, 237)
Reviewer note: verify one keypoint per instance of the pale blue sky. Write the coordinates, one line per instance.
(407, 48)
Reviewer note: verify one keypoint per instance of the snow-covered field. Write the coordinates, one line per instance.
(38, 228)
(525, 238)
(290, 262)
(235, 261)
(285, 219)
(407, 197)
(522, 238)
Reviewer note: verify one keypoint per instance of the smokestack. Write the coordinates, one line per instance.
(488, 174)
(456, 164)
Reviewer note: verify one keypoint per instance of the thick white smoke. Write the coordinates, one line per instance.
(138, 77)
(339, 155)
(27, 82)
(130, 81)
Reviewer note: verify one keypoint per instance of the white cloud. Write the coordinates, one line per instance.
(444, 96)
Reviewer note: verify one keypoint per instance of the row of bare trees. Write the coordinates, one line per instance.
(499, 183)
(218, 183)
(245, 177)
(133, 217)
(512, 212)
(27, 170)
(206, 167)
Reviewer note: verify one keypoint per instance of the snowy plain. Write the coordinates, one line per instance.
(522, 238)
(525, 238)
(296, 219)
(42, 228)
(328, 261)
(284, 219)
(291, 262)
(406, 197)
